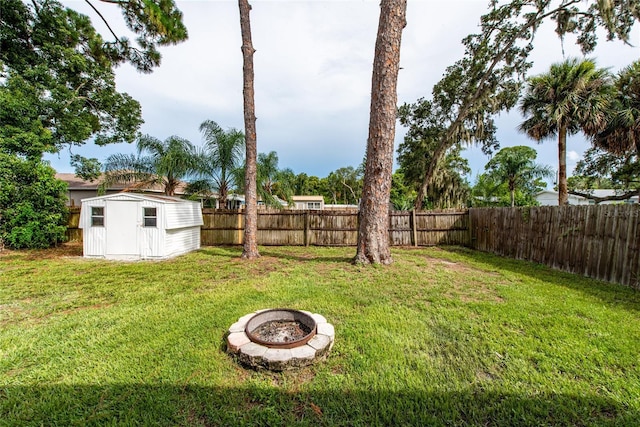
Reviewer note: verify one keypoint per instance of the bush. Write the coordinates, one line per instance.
(33, 212)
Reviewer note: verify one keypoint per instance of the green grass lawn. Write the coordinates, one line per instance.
(441, 337)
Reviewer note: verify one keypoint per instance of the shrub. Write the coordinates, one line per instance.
(33, 211)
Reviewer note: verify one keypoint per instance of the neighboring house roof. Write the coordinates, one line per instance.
(76, 183)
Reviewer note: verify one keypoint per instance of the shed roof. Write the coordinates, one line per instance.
(141, 196)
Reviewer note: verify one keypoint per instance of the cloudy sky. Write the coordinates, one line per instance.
(313, 76)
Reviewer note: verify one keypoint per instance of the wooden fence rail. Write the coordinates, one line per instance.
(601, 242)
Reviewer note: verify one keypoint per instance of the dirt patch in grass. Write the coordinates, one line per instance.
(259, 266)
(13, 313)
(465, 289)
(29, 310)
(457, 266)
(65, 250)
(98, 306)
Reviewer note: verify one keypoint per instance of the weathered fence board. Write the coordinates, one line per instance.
(332, 228)
(74, 234)
(601, 242)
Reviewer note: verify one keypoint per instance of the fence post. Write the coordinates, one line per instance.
(240, 228)
(414, 230)
(307, 231)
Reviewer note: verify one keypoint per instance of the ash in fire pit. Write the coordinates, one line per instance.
(282, 331)
(281, 328)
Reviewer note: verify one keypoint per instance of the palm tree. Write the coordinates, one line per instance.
(163, 163)
(573, 95)
(222, 154)
(616, 146)
(272, 184)
(622, 131)
(515, 166)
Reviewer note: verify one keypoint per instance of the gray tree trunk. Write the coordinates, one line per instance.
(563, 197)
(250, 250)
(373, 231)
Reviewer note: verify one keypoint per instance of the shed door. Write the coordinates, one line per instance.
(121, 223)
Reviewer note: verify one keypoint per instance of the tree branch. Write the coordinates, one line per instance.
(102, 17)
(598, 200)
(36, 7)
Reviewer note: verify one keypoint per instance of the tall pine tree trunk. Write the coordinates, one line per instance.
(250, 192)
(373, 231)
(563, 197)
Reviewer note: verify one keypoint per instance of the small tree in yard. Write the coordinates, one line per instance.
(32, 204)
(373, 233)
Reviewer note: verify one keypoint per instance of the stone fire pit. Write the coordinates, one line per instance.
(280, 339)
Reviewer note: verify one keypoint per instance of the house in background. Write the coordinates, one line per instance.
(308, 202)
(550, 198)
(130, 226)
(79, 189)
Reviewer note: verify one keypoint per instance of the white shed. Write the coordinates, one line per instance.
(139, 226)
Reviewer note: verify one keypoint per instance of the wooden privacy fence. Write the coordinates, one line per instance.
(601, 242)
(334, 228)
(321, 228)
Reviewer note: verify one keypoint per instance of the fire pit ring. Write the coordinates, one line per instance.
(281, 328)
(309, 347)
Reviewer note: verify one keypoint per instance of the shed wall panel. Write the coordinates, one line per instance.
(181, 240)
(151, 242)
(94, 240)
(182, 215)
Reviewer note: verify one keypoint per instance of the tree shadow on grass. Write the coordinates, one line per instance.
(307, 257)
(609, 293)
(227, 251)
(235, 252)
(190, 405)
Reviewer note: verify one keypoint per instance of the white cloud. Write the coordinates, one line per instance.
(573, 156)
